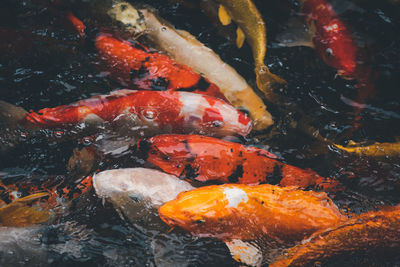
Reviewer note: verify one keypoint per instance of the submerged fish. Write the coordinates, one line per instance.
(251, 212)
(150, 70)
(187, 50)
(252, 26)
(153, 111)
(38, 246)
(328, 34)
(56, 190)
(22, 213)
(204, 158)
(372, 232)
(137, 192)
(374, 150)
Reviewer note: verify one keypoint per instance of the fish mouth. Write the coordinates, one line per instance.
(166, 213)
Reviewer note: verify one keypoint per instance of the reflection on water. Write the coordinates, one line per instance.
(44, 66)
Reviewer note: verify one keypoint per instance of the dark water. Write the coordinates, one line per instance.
(43, 64)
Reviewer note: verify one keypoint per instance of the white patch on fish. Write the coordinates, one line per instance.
(147, 184)
(235, 196)
(193, 105)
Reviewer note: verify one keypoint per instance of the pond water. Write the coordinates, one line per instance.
(44, 64)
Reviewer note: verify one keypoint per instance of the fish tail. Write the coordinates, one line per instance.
(267, 82)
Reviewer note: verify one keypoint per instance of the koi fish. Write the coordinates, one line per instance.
(333, 40)
(38, 246)
(188, 51)
(374, 150)
(203, 159)
(21, 212)
(252, 27)
(376, 231)
(328, 34)
(132, 190)
(169, 111)
(137, 192)
(76, 24)
(57, 190)
(245, 212)
(150, 70)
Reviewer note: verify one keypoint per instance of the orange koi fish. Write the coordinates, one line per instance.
(376, 231)
(146, 70)
(169, 111)
(204, 158)
(245, 212)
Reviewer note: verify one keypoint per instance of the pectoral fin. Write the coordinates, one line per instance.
(240, 37)
(223, 16)
(244, 252)
(19, 213)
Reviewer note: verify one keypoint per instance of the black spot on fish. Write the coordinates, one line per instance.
(189, 172)
(5, 196)
(238, 173)
(141, 73)
(275, 177)
(143, 149)
(187, 147)
(159, 84)
(201, 85)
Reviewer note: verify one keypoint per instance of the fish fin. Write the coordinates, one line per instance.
(245, 252)
(223, 16)
(10, 114)
(240, 37)
(267, 82)
(19, 213)
(297, 34)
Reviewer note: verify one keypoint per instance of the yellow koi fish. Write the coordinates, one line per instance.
(251, 26)
(375, 150)
(20, 213)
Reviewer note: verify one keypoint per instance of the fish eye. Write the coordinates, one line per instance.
(218, 124)
(199, 221)
(244, 110)
(135, 198)
(149, 114)
(329, 52)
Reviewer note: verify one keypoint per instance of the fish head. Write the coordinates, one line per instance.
(337, 48)
(213, 116)
(207, 211)
(169, 152)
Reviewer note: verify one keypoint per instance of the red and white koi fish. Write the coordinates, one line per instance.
(146, 70)
(204, 158)
(159, 112)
